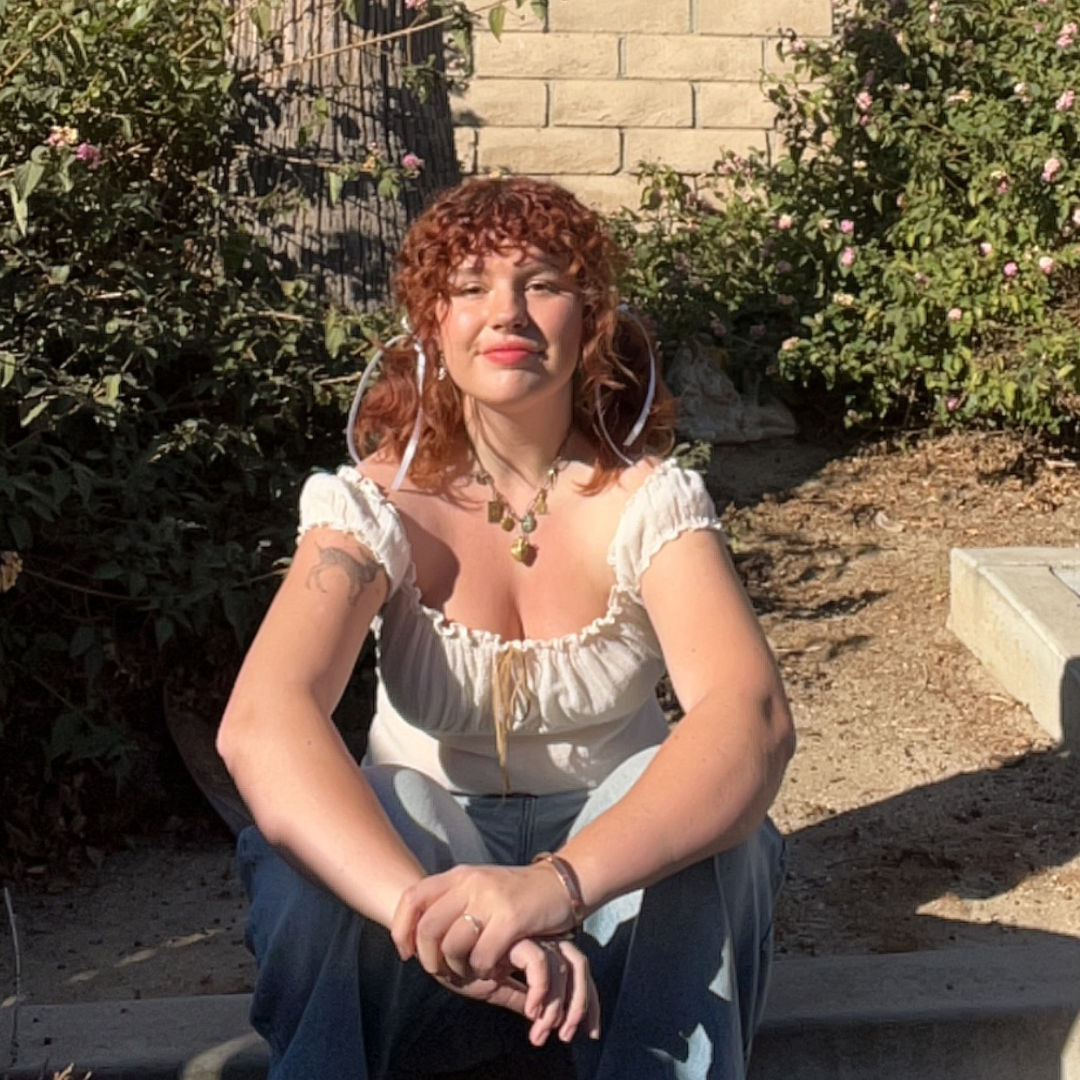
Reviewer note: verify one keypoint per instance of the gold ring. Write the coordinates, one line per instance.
(474, 922)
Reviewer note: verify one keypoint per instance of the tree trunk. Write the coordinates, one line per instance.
(313, 100)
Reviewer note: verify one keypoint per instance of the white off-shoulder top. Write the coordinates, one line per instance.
(481, 714)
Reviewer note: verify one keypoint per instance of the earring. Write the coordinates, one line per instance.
(442, 372)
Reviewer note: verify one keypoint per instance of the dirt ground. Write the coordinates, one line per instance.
(925, 809)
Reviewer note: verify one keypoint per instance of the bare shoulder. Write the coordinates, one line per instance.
(380, 470)
(632, 479)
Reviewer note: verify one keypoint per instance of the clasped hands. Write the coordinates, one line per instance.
(494, 933)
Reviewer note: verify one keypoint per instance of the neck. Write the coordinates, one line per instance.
(516, 450)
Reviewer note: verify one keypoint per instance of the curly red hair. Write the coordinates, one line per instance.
(498, 215)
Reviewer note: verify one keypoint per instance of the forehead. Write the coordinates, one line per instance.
(508, 258)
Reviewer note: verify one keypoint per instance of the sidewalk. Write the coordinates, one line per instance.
(1008, 1013)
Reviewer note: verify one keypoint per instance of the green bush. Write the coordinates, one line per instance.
(162, 395)
(913, 246)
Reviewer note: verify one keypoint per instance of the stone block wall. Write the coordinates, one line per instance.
(601, 85)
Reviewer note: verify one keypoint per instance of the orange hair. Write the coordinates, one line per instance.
(498, 215)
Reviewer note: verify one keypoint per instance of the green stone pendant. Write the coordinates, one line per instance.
(528, 523)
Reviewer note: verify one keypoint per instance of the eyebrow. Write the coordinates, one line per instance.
(532, 265)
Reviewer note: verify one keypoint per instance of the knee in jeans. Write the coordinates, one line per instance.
(427, 817)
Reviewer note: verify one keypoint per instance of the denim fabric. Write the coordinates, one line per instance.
(681, 967)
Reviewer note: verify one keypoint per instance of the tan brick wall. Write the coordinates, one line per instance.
(585, 95)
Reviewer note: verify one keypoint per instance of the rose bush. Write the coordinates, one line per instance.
(912, 248)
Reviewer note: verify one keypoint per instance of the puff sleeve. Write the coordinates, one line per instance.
(353, 504)
(673, 500)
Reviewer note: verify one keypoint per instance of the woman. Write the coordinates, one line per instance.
(529, 564)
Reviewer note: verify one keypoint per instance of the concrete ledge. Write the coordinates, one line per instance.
(1006, 1013)
(1018, 611)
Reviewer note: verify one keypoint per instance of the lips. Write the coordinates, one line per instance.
(509, 354)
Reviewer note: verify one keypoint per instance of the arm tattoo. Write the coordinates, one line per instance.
(359, 573)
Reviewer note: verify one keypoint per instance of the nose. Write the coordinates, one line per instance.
(508, 307)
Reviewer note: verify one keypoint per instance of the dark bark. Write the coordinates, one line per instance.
(348, 247)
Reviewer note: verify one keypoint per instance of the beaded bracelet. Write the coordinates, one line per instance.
(569, 880)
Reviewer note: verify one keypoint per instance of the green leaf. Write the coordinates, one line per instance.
(334, 182)
(261, 17)
(163, 630)
(25, 178)
(496, 20)
(540, 9)
(8, 367)
(32, 414)
(81, 640)
(111, 384)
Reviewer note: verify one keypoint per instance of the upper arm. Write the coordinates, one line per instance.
(316, 625)
(711, 640)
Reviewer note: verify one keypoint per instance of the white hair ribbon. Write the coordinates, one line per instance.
(418, 423)
(650, 394)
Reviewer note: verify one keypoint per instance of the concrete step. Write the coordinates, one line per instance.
(1018, 610)
(1008, 1013)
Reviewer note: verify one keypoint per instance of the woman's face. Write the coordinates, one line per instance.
(510, 332)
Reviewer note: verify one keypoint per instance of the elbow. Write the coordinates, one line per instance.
(230, 738)
(783, 739)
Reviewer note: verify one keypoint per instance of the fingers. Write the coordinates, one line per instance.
(561, 994)
(533, 962)
(583, 1002)
(553, 1009)
(457, 943)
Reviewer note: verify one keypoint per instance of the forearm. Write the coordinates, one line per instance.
(707, 789)
(310, 799)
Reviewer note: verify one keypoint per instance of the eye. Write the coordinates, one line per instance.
(542, 285)
(467, 288)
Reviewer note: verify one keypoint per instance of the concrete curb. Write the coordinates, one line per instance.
(1018, 611)
(1008, 1013)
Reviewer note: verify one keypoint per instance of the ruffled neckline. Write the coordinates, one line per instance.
(451, 630)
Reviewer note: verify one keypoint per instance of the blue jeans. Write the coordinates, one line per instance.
(681, 967)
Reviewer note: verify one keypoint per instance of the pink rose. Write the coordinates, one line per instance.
(1065, 102)
(985, 248)
(847, 257)
(954, 314)
(1010, 270)
(89, 155)
(62, 136)
(784, 222)
(1051, 167)
(847, 227)
(410, 160)
(1046, 264)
